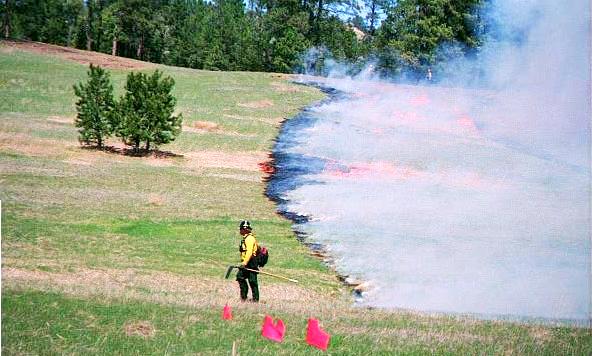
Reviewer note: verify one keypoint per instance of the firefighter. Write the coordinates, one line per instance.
(248, 249)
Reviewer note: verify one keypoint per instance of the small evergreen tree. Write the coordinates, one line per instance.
(146, 111)
(95, 107)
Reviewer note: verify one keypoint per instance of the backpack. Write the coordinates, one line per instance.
(262, 255)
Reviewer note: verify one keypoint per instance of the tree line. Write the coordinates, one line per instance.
(255, 35)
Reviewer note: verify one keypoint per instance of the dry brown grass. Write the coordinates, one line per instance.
(31, 146)
(165, 288)
(540, 335)
(75, 55)
(82, 156)
(259, 104)
(240, 177)
(285, 88)
(417, 336)
(61, 120)
(6, 48)
(78, 162)
(267, 120)
(157, 162)
(142, 328)
(284, 76)
(247, 161)
(156, 199)
(7, 168)
(208, 127)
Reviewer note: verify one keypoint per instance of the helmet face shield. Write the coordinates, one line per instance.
(245, 225)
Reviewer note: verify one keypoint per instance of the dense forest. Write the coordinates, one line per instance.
(405, 36)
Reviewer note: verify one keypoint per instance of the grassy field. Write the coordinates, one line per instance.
(109, 254)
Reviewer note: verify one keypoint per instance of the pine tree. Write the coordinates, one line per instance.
(164, 126)
(95, 107)
(416, 29)
(146, 111)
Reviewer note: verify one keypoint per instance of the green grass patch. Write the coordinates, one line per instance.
(184, 247)
(65, 325)
(96, 210)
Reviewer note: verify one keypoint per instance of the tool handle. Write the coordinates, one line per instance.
(269, 274)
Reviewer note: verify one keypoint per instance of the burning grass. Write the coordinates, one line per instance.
(387, 171)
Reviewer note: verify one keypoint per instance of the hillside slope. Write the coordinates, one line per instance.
(111, 254)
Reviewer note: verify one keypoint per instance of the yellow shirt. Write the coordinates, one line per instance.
(248, 248)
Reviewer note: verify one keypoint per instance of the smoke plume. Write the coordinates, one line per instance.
(463, 199)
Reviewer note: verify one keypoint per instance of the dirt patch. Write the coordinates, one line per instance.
(247, 161)
(5, 48)
(144, 329)
(75, 55)
(206, 126)
(260, 104)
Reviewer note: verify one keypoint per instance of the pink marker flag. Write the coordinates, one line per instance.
(227, 313)
(315, 336)
(274, 332)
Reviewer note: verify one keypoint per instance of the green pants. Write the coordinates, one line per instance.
(243, 276)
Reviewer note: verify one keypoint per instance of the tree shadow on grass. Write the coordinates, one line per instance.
(124, 151)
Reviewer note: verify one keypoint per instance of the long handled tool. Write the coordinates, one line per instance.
(229, 270)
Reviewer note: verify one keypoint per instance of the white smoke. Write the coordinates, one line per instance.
(465, 200)
(543, 81)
